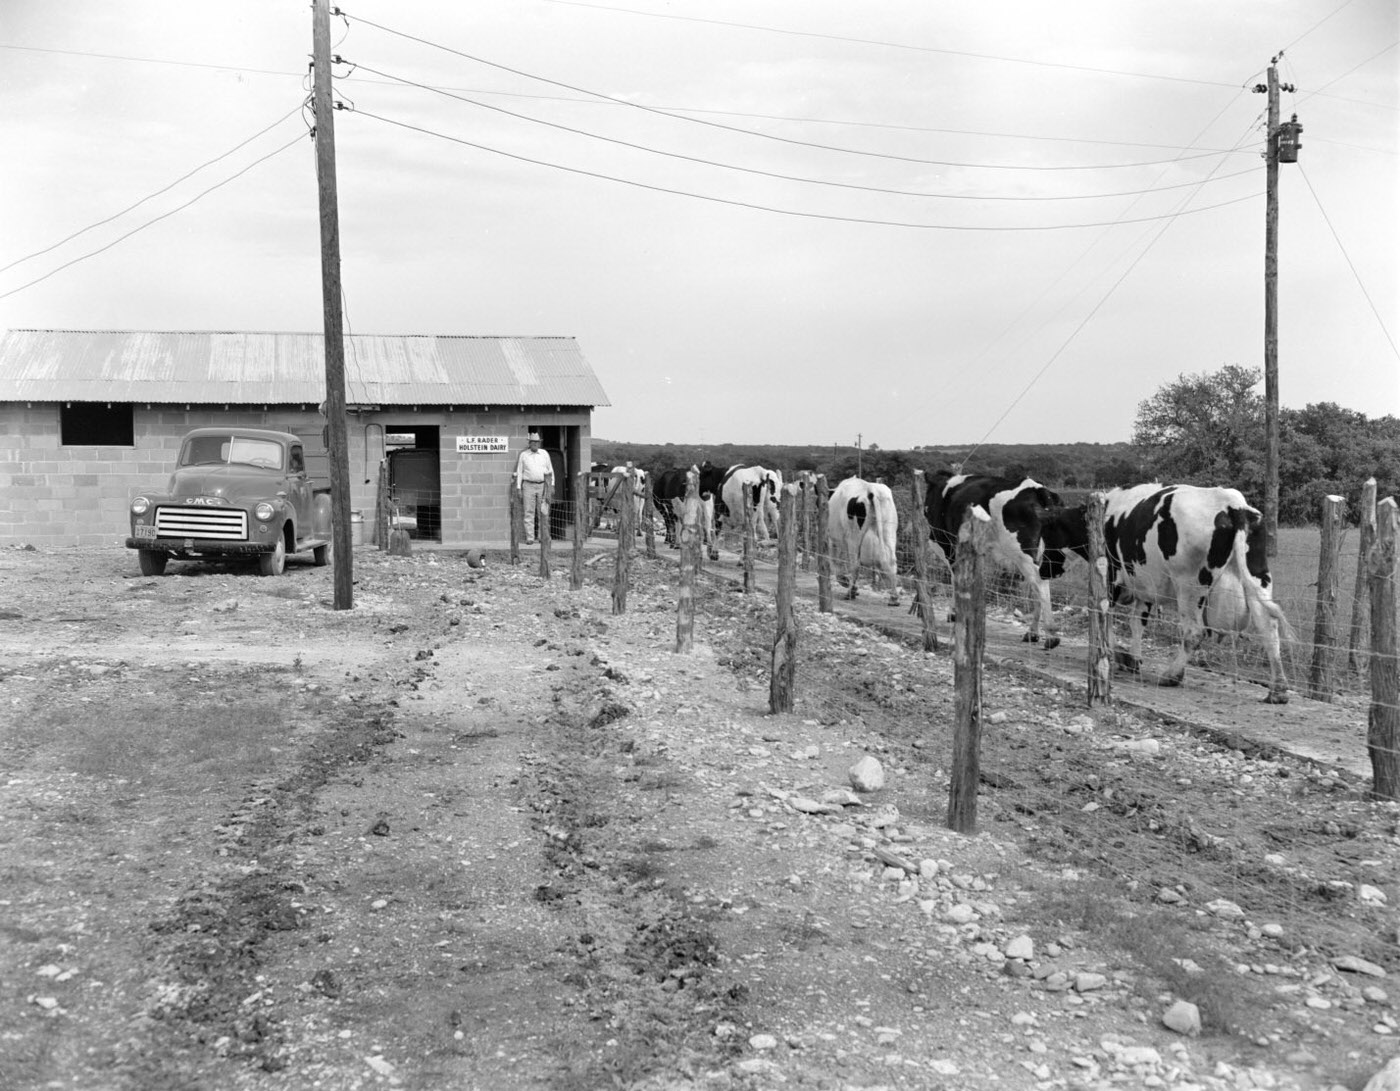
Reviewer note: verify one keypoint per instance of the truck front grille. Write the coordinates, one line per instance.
(230, 524)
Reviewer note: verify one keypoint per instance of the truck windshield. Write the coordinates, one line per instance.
(206, 450)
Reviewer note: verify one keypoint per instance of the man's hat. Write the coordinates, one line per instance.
(534, 437)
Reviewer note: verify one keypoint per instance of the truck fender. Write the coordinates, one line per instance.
(321, 515)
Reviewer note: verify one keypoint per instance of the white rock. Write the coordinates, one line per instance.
(1272, 930)
(928, 869)
(842, 796)
(1371, 894)
(1387, 1079)
(811, 806)
(380, 1065)
(1135, 1055)
(962, 913)
(1224, 909)
(1168, 895)
(867, 775)
(1088, 982)
(1183, 1017)
(48, 970)
(1022, 948)
(763, 1041)
(1143, 746)
(1358, 966)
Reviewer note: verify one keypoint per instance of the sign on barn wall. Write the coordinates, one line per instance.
(468, 444)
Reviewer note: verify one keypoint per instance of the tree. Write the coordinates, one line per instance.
(1205, 429)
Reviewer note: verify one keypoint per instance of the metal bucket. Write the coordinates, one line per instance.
(357, 528)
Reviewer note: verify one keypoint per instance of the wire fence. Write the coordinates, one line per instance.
(1109, 787)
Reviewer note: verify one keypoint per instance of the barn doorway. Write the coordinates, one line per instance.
(556, 439)
(415, 479)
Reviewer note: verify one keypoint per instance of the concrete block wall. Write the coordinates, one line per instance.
(56, 496)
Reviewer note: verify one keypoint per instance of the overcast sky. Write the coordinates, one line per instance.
(764, 222)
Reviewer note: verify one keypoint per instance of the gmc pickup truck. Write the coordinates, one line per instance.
(235, 492)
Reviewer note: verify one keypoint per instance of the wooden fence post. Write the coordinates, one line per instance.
(824, 603)
(580, 514)
(1100, 687)
(381, 508)
(648, 518)
(546, 537)
(626, 516)
(1383, 723)
(923, 593)
(690, 562)
(517, 521)
(969, 639)
(1322, 678)
(784, 677)
(1360, 597)
(749, 546)
(808, 506)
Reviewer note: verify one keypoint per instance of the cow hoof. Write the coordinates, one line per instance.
(894, 602)
(1169, 681)
(1030, 638)
(1051, 642)
(1276, 698)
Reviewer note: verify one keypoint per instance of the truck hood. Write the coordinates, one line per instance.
(233, 484)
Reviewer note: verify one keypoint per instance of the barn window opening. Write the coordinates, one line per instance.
(95, 424)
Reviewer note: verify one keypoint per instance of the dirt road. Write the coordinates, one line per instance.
(481, 832)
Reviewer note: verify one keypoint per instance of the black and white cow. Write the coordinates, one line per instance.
(764, 487)
(1197, 547)
(1018, 511)
(863, 527)
(668, 495)
(611, 490)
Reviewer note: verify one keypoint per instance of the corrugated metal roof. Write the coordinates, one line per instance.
(287, 368)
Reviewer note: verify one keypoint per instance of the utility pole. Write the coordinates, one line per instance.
(1271, 424)
(339, 455)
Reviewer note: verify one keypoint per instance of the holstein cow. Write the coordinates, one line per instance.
(668, 495)
(1018, 511)
(764, 488)
(1176, 543)
(614, 488)
(863, 525)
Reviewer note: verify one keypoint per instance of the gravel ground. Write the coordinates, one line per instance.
(482, 832)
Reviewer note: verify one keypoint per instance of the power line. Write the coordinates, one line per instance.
(1097, 306)
(895, 45)
(148, 60)
(150, 196)
(1334, 11)
(157, 219)
(1350, 265)
(748, 132)
(775, 174)
(769, 208)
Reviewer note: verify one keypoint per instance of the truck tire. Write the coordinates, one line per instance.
(273, 564)
(321, 555)
(152, 563)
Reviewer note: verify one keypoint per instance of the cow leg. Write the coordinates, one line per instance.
(1190, 608)
(1042, 618)
(1266, 628)
(1131, 660)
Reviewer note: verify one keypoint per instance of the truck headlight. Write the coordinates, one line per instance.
(263, 511)
(140, 506)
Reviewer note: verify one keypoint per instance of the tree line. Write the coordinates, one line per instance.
(1199, 429)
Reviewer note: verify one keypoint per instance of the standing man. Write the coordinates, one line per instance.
(534, 476)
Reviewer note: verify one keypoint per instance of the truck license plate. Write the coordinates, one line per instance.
(144, 530)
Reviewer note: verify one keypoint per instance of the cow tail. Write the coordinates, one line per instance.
(875, 525)
(1253, 593)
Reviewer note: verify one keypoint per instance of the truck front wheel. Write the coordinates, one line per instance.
(272, 564)
(151, 562)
